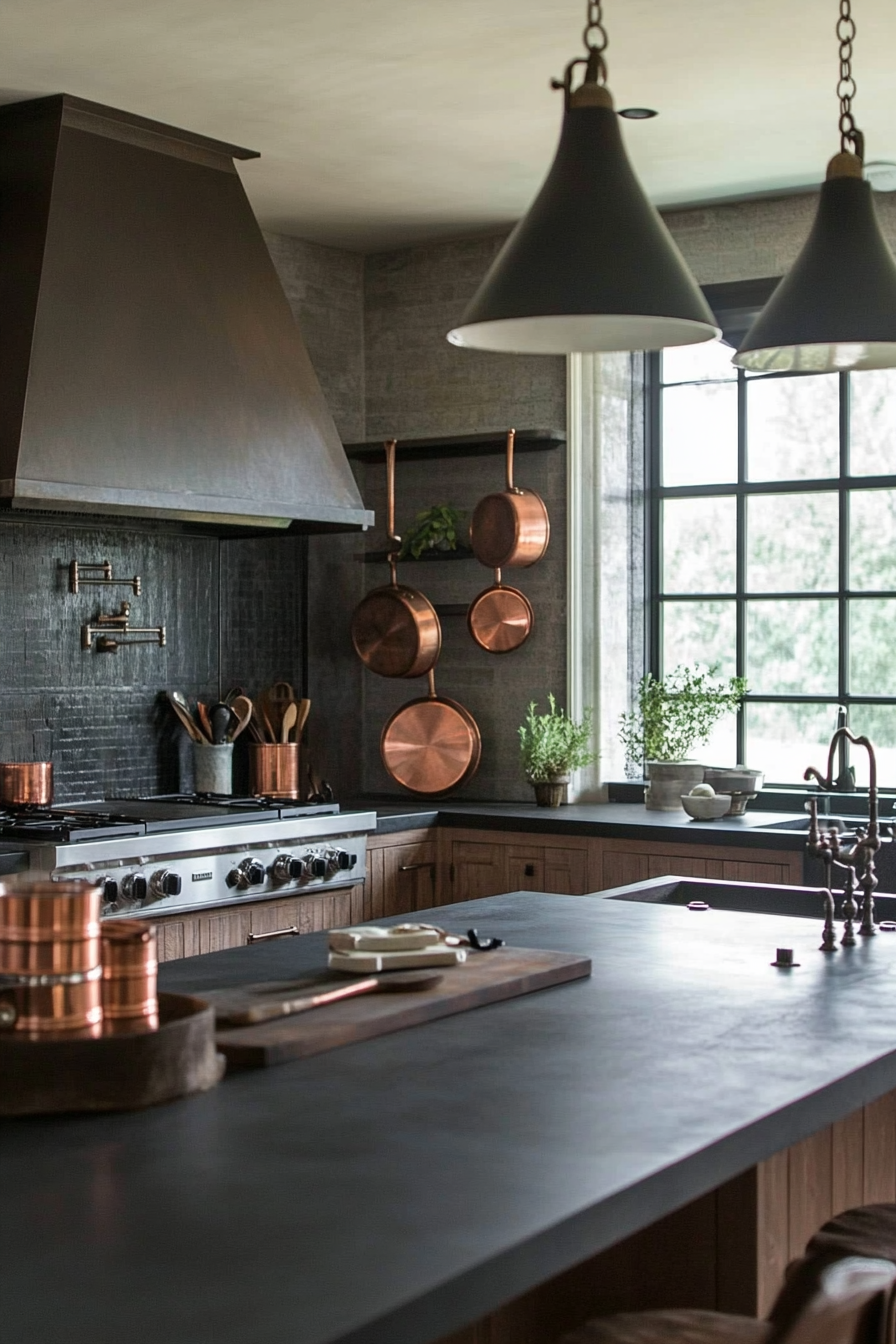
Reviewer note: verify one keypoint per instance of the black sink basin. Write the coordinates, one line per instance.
(752, 898)
(843, 824)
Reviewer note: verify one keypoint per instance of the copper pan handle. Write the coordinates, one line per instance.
(511, 435)
(431, 679)
(498, 583)
(394, 541)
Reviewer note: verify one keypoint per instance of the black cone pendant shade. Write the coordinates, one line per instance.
(836, 308)
(591, 266)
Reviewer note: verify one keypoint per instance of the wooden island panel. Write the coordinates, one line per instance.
(726, 1251)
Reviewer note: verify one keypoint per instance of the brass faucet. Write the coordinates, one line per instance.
(827, 846)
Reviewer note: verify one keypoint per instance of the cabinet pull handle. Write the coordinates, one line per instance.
(275, 933)
(412, 867)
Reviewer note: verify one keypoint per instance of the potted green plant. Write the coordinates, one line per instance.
(436, 529)
(551, 746)
(673, 715)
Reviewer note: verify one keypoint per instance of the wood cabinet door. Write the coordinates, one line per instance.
(409, 878)
(619, 867)
(178, 937)
(565, 871)
(525, 868)
(477, 869)
(219, 929)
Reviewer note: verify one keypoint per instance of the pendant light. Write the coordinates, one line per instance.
(836, 307)
(591, 266)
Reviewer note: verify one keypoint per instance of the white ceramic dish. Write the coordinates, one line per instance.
(706, 809)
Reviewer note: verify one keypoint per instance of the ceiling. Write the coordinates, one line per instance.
(386, 122)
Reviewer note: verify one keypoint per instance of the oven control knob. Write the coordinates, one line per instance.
(287, 868)
(345, 861)
(318, 866)
(250, 873)
(164, 883)
(110, 891)
(134, 888)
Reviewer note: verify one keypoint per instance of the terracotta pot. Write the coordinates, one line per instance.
(667, 781)
(551, 792)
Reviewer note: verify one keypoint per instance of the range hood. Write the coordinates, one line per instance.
(149, 361)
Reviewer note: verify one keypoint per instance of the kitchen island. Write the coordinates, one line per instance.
(404, 1187)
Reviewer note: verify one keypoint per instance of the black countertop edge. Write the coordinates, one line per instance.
(619, 821)
(13, 859)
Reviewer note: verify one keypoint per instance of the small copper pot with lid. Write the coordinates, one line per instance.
(510, 529)
(50, 971)
(26, 782)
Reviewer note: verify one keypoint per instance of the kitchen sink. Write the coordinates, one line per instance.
(753, 898)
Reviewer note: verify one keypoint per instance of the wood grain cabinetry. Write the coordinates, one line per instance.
(614, 863)
(487, 863)
(196, 932)
(401, 873)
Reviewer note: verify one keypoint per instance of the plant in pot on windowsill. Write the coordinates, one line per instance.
(552, 745)
(674, 715)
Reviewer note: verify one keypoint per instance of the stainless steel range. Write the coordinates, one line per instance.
(169, 854)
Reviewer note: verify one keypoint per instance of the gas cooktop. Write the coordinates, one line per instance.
(115, 818)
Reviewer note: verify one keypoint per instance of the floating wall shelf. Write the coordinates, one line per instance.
(460, 445)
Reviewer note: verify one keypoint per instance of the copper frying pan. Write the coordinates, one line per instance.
(510, 529)
(501, 618)
(395, 629)
(431, 745)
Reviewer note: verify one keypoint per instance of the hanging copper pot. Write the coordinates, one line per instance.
(431, 745)
(395, 629)
(510, 529)
(500, 618)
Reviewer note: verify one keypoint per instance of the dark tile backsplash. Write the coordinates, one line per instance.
(233, 612)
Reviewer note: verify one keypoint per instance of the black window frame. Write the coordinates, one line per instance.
(735, 305)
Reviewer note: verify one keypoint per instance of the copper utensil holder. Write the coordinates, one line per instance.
(130, 975)
(49, 1004)
(274, 769)
(26, 782)
(49, 928)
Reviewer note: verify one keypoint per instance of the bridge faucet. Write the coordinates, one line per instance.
(827, 846)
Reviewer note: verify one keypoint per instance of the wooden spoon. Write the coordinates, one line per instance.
(182, 710)
(241, 711)
(204, 720)
(304, 710)
(290, 714)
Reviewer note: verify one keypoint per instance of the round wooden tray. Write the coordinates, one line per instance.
(113, 1073)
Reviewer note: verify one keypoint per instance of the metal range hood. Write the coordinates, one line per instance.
(149, 361)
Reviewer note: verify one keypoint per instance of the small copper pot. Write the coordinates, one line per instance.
(49, 928)
(40, 1004)
(130, 974)
(26, 782)
(274, 769)
(511, 528)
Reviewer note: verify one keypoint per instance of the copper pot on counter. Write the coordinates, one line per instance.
(130, 974)
(23, 782)
(50, 971)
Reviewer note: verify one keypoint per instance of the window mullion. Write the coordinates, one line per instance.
(741, 556)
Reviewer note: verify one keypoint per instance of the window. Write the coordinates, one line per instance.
(772, 550)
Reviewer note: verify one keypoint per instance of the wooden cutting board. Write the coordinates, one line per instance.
(486, 977)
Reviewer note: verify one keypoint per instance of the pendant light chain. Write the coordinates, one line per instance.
(850, 137)
(596, 41)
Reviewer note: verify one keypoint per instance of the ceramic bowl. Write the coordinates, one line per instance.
(706, 809)
(737, 779)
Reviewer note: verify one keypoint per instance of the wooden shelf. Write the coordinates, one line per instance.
(427, 557)
(459, 445)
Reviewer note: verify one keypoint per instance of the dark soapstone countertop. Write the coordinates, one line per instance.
(614, 820)
(399, 1188)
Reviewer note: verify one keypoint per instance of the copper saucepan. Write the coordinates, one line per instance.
(395, 629)
(510, 529)
(500, 618)
(24, 782)
(431, 745)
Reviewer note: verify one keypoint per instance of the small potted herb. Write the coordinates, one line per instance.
(674, 715)
(551, 746)
(436, 529)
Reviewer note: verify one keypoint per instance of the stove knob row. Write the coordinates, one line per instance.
(134, 888)
(249, 873)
